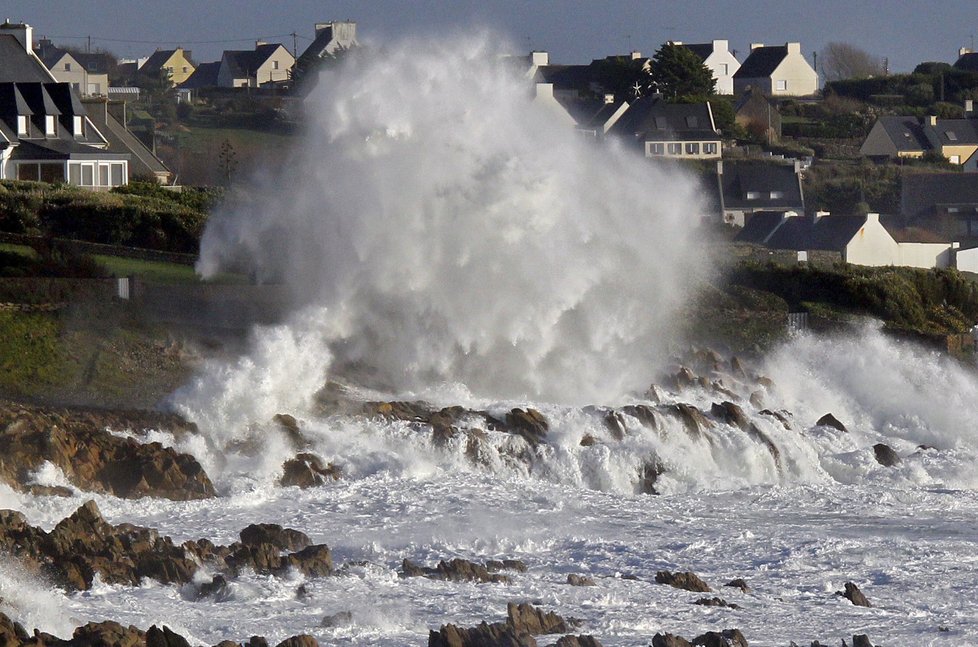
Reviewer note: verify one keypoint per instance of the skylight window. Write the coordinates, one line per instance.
(950, 135)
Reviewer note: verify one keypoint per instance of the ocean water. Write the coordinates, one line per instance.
(445, 241)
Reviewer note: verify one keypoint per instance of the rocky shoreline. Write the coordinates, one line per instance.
(101, 451)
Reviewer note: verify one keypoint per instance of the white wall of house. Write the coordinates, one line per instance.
(872, 245)
(966, 260)
(724, 65)
(794, 77)
(544, 98)
(276, 68)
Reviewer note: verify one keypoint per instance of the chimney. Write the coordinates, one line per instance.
(720, 45)
(964, 50)
(793, 48)
(819, 215)
(932, 120)
(609, 98)
(23, 32)
(754, 46)
(544, 90)
(872, 217)
(539, 58)
(259, 43)
(636, 55)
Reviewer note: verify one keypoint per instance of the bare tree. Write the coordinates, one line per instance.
(846, 61)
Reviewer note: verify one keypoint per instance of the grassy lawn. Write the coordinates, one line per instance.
(155, 271)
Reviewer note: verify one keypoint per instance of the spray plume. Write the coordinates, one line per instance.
(449, 230)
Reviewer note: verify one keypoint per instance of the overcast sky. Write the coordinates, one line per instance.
(573, 31)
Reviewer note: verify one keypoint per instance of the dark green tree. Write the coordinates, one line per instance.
(678, 73)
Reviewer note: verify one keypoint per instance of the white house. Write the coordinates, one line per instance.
(718, 58)
(776, 71)
(267, 63)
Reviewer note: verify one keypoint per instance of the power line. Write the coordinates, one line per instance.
(173, 42)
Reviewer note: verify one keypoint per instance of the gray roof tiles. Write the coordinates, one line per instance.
(762, 62)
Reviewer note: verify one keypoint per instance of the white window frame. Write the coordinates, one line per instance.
(781, 85)
(709, 148)
(78, 122)
(22, 128)
(50, 126)
(674, 148)
(692, 148)
(777, 195)
(753, 195)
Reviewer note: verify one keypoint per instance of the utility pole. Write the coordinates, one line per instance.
(295, 45)
(88, 48)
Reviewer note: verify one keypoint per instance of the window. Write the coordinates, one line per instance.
(78, 123)
(710, 148)
(722, 69)
(52, 173)
(693, 149)
(675, 149)
(185, 68)
(753, 195)
(955, 159)
(67, 67)
(656, 148)
(88, 175)
(777, 195)
(103, 175)
(49, 127)
(118, 174)
(22, 125)
(781, 85)
(951, 136)
(28, 172)
(274, 65)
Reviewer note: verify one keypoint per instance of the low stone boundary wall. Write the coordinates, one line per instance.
(105, 250)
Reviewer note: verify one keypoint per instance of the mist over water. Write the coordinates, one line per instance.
(451, 231)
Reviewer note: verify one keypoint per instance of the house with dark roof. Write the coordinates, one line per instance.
(759, 115)
(175, 64)
(267, 64)
(860, 240)
(946, 203)
(749, 187)
(45, 132)
(909, 137)
(967, 60)
(109, 117)
(87, 73)
(716, 55)
(670, 130)
(331, 40)
(780, 71)
(204, 76)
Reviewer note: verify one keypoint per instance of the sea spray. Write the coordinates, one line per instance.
(453, 231)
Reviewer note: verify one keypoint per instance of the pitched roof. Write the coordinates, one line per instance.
(968, 61)
(120, 140)
(762, 179)
(159, 58)
(17, 65)
(952, 132)
(924, 194)
(565, 77)
(906, 133)
(762, 62)
(245, 63)
(61, 149)
(650, 117)
(204, 76)
(774, 230)
(702, 50)
(760, 226)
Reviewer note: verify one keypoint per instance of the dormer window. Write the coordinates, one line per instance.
(49, 125)
(78, 126)
(22, 125)
(777, 195)
(753, 195)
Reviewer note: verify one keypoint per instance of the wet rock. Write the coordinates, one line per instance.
(91, 458)
(854, 595)
(861, 640)
(290, 427)
(528, 423)
(688, 581)
(312, 561)
(715, 602)
(256, 641)
(651, 470)
(484, 635)
(615, 424)
(684, 378)
(302, 640)
(885, 455)
(692, 418)
(456, 570)
(341, 619)
(494, 565)
(577, 641)
(756, 399)
(643, 413)
(669, 640)
(780, 416)
(738, 583)
(108, 634)
(527, 619)
(756, 434)
(48, 490)
(725, 638)
(307, 470)
(737, 367)
(828, 420)
(588, 440)
(156, 637)
(217, 588)
(580, 580)
(731, 414)
(274, 534)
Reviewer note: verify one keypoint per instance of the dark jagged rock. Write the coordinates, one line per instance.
(217, 588)
(725, 638)
(828, 420)
(692, 418)
(580, 580)
(256, 641)
(528, 619)
(156, 637)
(885, 455)
(652, 469)
(670, 640)
(302, 640)
(861, 640)
(643, 413)
(738, 583)
(688, 581)
(715, 602)
(290, 427)
(577, 641)
(274, 534)
(92, 459)
(498, 634)
(684, 378)
(780, 416)
(854, 595)
(530, 424)
(588, 440)
(307, 470)
(456, 570)
(495, 565)
(615, 424)
(731, 414)
(107, 634)
(340, 619)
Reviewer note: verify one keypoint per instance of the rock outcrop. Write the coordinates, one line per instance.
(688, 581)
